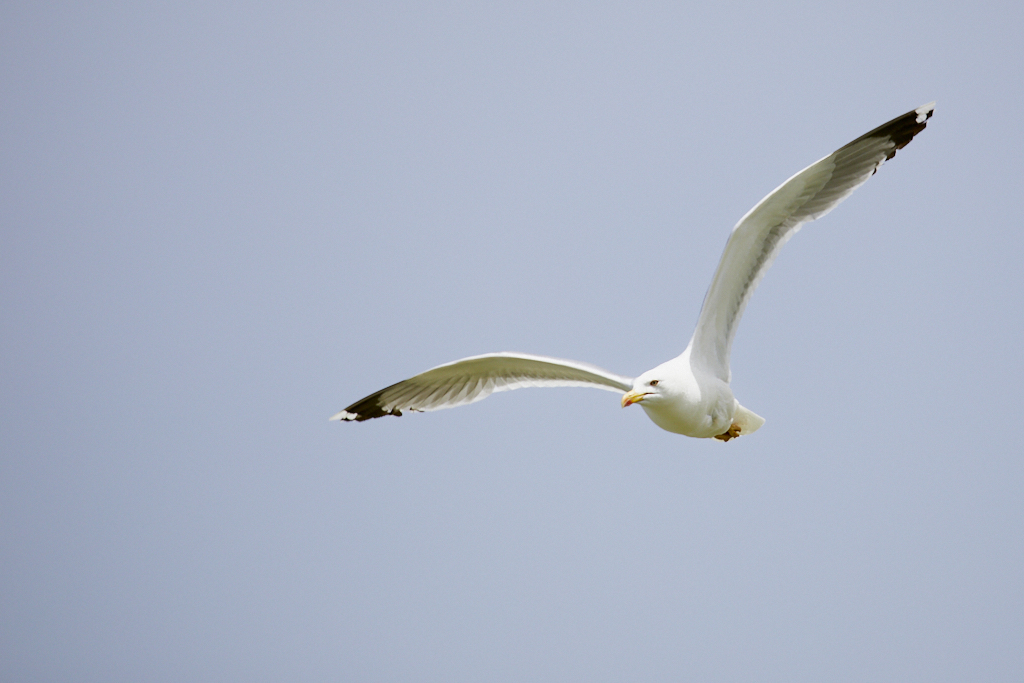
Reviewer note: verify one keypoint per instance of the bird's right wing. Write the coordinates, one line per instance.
(758, 237)
(472, 379)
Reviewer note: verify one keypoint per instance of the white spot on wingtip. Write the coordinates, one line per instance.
(923, 113)
(343, 416)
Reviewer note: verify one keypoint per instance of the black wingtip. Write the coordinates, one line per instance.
(902, 129)
(367, 409)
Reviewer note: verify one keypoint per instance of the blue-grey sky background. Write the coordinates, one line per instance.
(224, 222)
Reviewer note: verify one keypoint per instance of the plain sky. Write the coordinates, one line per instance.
(224, 222)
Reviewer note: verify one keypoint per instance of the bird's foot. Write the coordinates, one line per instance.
(733, 432)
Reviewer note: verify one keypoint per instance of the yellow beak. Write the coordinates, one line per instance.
(632, 397)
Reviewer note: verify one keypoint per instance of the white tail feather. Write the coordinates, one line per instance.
(748, 421)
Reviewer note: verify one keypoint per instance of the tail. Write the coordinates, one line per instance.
(748, 422)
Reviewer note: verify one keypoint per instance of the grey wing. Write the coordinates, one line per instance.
(472, 379)
(759, 235)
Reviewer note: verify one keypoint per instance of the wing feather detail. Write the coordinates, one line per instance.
(758, 236)
(472, 379)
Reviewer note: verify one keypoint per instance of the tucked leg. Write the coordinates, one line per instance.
(733, 432)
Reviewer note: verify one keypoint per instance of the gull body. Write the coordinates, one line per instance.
(686, 399)
(689, 394)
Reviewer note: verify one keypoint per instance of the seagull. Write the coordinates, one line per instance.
(689, 394)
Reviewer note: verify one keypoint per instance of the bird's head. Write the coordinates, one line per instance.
(647, 387)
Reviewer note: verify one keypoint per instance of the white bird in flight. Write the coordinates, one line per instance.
(689, 394)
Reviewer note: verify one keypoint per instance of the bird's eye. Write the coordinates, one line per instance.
(653, 382)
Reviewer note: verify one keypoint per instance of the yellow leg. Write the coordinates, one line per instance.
(733, 432)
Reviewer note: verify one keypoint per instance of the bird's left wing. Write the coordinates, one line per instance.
(472, 379)
(758, 237)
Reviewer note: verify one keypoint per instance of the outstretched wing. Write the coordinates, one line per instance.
(758, 237)
(472, 379)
